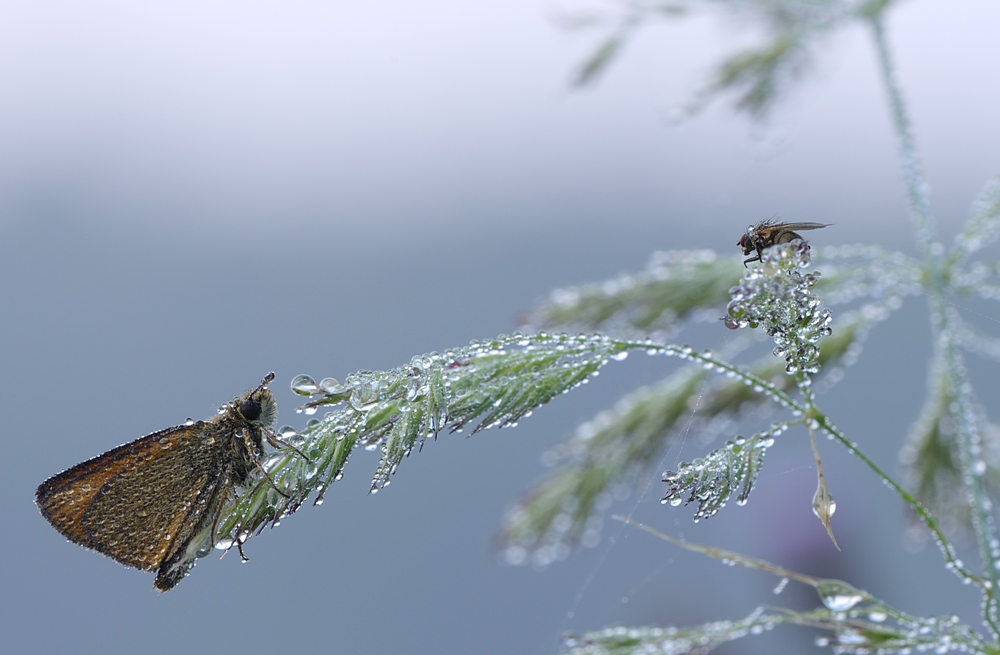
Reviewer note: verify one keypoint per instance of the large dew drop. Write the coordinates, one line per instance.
(824, 504)
(364, 397)
(838, 596)
(304, 385)
(331, 386)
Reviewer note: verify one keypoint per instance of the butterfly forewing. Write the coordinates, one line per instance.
(136, 515)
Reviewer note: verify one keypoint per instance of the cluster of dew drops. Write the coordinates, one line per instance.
(364, 391)
(778, 297)
(711, 480)
(672, 640)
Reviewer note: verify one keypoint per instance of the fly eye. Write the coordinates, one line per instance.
(742, 241)
(250, 409)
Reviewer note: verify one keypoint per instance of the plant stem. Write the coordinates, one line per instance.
(967, 436)
(917, 190)
(951, 557)
(813, 413)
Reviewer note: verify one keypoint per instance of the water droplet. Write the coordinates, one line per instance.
(364, 397)
(824, 504)
(304, 385)
(838, 596)
(272, 461)
(331, 386)
(877, 616)
(851, 638)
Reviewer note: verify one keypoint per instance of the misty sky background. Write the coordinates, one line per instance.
(195, 194)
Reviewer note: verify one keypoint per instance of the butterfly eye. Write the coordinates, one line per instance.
(250, 409)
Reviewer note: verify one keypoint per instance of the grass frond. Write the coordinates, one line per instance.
(488, 384)
(674, 286)
(712, 480)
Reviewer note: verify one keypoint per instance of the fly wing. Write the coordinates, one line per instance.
(134, 503)
(801, 226)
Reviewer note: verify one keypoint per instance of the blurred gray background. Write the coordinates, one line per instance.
(194, 194)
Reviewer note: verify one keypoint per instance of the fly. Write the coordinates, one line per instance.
(768, 233)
